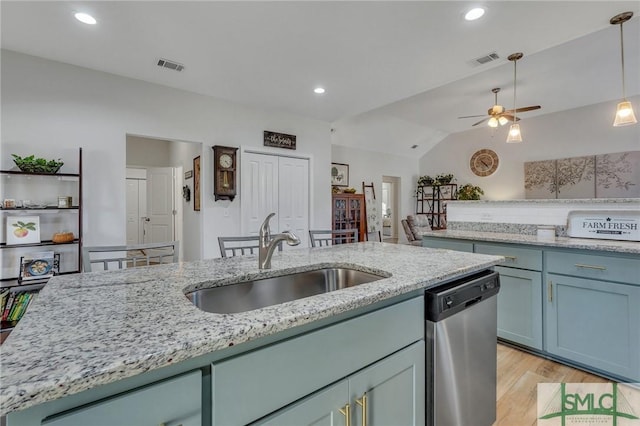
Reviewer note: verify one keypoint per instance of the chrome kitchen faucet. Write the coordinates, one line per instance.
(268, 243)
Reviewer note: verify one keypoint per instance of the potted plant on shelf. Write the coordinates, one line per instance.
(31, 164)
(469, 192)
(425, 180)
(444, 179)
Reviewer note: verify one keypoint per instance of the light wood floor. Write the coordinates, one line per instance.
(518, 376)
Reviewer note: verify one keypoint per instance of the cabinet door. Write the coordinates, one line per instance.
(594, 323)
(348, 213)
(445, 243)
(320, 409)
(394, 388)
(520, 306)
(171, 402)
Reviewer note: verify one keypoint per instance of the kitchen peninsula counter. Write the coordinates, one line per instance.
(92, 329)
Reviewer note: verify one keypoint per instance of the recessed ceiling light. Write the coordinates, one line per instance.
(318, 90)
(85, 18)
(474, 14)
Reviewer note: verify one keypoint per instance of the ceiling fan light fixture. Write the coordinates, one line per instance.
(514, 135)
(502, 121)
(493, 122)
(624, 112)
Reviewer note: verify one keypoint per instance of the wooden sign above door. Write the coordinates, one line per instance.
(279, 140)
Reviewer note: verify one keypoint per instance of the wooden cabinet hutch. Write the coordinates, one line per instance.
(348, 212)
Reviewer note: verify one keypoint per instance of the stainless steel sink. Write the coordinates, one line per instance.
(249, 295)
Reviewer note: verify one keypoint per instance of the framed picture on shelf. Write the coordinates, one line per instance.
(39, 265)
(23, 230)
(339, 174)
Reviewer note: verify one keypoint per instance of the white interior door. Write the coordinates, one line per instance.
(293, 197)
(136, 210)
(274, 184)
(259, 194)
(160, 226)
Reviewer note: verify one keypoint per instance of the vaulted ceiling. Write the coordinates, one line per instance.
(407, 64)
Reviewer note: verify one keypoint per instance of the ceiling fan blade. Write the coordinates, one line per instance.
(480, 122)
(473, 116)
(524, 109)
(510, 117)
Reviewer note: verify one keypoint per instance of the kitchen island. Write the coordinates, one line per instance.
(90, 338)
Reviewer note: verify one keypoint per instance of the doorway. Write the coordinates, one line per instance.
(156, 210)
(390, 209)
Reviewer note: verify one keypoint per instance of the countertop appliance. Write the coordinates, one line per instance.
(461, 328)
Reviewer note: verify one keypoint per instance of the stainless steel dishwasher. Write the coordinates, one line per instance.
(461, 330)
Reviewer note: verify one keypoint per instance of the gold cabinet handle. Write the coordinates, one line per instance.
(362, 402)
(599, 268)
(511, 258)
(550, 291)
(347, 415)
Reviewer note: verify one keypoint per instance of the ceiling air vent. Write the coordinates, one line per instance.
(165, 63)
(493, 56)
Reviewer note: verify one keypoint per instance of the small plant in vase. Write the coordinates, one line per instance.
(469, 192)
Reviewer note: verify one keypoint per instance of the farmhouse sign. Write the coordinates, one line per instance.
(279, 140)
(606, 225)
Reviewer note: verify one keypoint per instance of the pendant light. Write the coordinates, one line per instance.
(514, 135)
(624, 113)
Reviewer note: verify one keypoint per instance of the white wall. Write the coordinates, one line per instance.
(51, 109)
(369, 166)
(182, 155)
(581, 131)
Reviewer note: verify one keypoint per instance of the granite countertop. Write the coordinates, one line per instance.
(561, 242)
(86, 330)
(570, 201)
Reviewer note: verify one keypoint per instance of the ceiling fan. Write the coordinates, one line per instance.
(497, 113)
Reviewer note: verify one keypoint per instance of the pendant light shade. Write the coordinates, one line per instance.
(514, 135)
(624, 112)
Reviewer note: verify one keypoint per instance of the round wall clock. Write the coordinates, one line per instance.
(484, 162)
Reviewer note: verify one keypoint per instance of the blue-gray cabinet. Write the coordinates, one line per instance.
(593, 311)
(328, 407)
(252, 385)
(575, 305)
(520, 306)
(520, 297)
(176, 401)
(389, 392)
(444, 243)
(392, 391)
